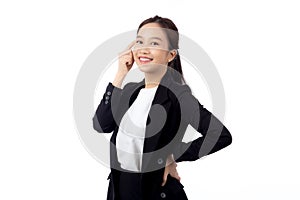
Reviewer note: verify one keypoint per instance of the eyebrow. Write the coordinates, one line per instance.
(150, 37)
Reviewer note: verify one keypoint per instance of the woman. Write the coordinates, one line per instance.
(149, 119)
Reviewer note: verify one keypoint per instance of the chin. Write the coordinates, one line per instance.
(146, 68)
(150, 68)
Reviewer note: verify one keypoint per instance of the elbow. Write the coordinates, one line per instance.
(228, 138)
(100, 128)
(96, 124)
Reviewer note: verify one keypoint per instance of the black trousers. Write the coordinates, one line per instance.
(130, 186)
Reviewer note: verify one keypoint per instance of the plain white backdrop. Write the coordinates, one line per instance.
(255, 46)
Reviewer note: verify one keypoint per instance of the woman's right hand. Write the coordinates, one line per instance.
(170, 169)
(126, 59)
(125, 64)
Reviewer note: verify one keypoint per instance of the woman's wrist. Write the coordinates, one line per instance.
(119, 79)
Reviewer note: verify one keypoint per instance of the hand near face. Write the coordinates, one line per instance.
(126, 59)
(170, 169)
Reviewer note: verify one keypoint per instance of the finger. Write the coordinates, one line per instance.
(175, 175)
(125, 58)
(164, 180)
(174, 165)
(131, 45)
(165, 177)
(125, 52)
(128, 49)
(129, 63)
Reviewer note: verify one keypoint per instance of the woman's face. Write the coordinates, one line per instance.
(151, 51)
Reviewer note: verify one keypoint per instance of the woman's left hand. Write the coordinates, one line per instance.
(170, 169)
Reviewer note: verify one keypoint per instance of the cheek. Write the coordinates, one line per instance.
(161, 56)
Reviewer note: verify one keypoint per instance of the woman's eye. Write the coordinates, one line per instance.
(154, 43)
(139, 42)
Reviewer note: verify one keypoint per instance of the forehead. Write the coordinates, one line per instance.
(152, 30)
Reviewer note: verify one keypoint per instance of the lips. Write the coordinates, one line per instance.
(144, 59)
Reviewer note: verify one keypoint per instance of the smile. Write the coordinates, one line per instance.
(145, 60)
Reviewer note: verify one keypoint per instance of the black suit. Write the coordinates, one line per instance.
(172, 110)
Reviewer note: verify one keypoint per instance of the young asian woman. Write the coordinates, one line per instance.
(149, 118)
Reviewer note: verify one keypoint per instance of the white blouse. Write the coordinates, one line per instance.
(131, 133)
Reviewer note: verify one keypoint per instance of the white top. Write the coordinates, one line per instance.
(131, 133)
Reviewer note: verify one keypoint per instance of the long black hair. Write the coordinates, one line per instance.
(173, 38)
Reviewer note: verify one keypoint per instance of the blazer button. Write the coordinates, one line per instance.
(108, 93)
(106, 102)
(163, 195)
(107, 97)
(160, 161)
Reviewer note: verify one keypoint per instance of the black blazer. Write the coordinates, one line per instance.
(173, 109)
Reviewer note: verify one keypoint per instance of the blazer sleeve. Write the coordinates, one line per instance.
(215, 136)
(103, 120)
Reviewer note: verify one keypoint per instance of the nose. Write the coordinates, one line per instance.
(143, 50)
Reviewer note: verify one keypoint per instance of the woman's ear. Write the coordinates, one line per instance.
(172, 55)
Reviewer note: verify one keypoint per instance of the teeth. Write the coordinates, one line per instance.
(145, 59)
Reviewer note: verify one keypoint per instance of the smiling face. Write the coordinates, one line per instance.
(151, 51)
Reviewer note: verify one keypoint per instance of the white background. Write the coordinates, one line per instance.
(254, 45)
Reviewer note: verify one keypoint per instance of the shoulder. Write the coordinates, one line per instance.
(184, 97)
(180, 90)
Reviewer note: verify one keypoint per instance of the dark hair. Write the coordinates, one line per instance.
(173, 38)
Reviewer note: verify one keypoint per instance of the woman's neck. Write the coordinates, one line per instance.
(153, 79)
